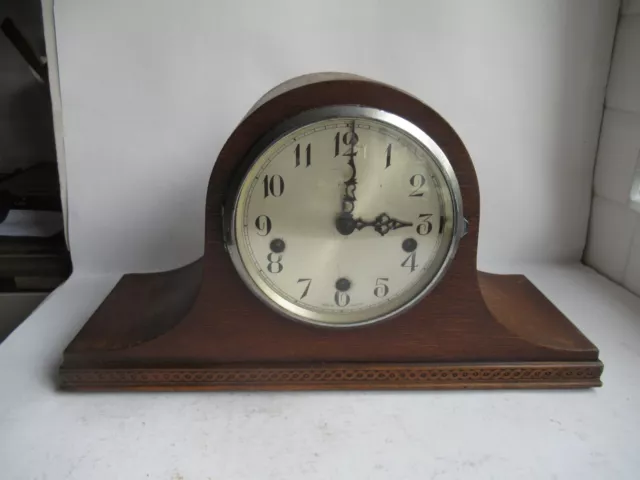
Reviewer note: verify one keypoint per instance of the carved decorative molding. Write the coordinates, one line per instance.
(369, 376)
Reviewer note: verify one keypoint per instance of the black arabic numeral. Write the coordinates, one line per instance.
(274, 266)
(342, 299)
(417, 182)
(308, 155)
(350, 139)
(273, 185)
(388, 156)
(425, 226)
(410, 262)
(263, 224)
(382, 289)
(306, 289)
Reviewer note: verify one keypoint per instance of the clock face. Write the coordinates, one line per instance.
(345, 216)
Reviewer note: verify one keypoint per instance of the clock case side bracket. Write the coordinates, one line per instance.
(161, 330)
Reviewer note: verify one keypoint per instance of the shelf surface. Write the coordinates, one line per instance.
(588, 434)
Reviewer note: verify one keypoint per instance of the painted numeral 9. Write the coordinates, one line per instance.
(263, 224)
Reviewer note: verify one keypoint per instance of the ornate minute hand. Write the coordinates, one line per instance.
(344, 221)
(348, 201)
(383, 224)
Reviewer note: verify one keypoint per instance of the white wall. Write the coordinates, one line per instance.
(152, 88)
(614, 234)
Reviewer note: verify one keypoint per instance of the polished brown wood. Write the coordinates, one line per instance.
(199, 327)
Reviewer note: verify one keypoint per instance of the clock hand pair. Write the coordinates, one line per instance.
(345, 223)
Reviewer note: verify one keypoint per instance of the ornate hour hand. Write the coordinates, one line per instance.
(382, 224)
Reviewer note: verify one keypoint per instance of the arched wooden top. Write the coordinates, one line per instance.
(319, 90)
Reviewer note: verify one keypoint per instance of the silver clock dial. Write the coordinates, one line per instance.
(346, 216)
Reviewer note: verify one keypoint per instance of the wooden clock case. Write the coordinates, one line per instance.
(200, 328)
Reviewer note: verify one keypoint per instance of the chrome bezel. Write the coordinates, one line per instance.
(284, 306)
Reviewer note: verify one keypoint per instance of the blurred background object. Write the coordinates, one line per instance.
(34, 258)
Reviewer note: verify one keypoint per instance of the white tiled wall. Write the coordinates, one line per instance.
(613, 246)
